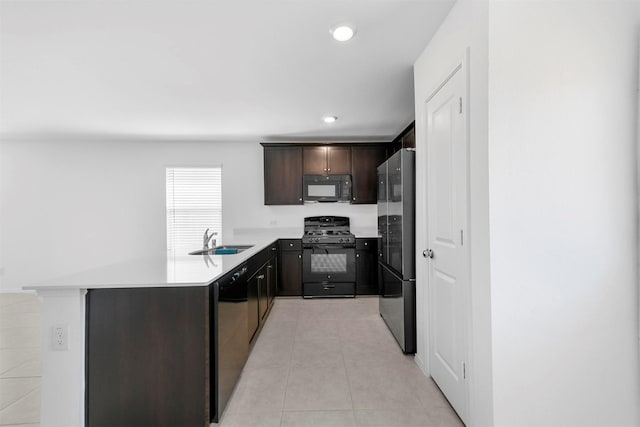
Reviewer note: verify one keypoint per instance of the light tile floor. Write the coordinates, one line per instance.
(19, 360)
(316, 363)
(333, 363)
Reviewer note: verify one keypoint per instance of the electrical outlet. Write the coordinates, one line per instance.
(60, 337)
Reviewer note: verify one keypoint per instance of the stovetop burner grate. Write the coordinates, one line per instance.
(327, 230)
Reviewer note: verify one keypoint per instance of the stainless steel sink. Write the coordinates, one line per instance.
(212, 251)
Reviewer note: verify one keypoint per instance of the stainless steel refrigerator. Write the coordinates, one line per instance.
(396, 254)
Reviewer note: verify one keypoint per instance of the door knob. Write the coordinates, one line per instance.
(427, 253)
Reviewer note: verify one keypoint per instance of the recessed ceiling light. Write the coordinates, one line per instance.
(329, 119)
(343, 32)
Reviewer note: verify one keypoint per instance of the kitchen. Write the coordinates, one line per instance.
(141, 276)
(116, 216)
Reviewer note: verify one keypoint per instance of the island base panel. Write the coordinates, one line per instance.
(147, 357)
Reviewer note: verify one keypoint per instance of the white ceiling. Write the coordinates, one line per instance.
(209, 69)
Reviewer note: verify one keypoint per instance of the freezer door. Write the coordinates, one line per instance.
(408, 168)
(397, 308)
(383, 250)
(394, 212)
(400, 219)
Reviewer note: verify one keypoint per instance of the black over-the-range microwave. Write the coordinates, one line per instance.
(326, 188)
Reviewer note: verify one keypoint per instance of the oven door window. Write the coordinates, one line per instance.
(329, 263)
(321, 264)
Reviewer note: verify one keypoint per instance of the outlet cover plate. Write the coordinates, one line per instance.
(60, 337)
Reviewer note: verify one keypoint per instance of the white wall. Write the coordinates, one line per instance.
(465, 28)
(68, 206)
(564, 286)
(553, 207)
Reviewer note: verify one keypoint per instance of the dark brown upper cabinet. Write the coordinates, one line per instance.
(283, 175)
(326, 160)
(338, 160)
(314, 160)
(286, 163)
(409, 138)
(365, 160)
(406, 139)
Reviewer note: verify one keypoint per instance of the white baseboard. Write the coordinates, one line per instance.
(15, 291)
(421, 365)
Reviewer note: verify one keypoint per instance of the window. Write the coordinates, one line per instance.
(194, 203)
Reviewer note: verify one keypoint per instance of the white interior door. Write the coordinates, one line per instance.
(446, 198)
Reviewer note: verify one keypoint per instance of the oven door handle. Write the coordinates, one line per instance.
(332, 246)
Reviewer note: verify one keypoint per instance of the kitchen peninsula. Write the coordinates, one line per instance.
(129, 344)
(139, 339)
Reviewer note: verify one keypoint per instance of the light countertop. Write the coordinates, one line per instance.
(171, 269)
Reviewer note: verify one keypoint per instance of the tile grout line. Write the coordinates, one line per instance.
(24, 396)
(286, 383)
(346, 374)
(344, 362)
(19, 365)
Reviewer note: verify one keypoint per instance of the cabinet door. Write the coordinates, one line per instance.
(366, 266)
(314, 160)
(282, 175)
(290, 274)
(338, 160)
(364, 163)
(272, 280)
(409, 139)
(263, 297)
(252, 297)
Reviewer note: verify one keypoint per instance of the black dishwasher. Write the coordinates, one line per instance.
(229, 344)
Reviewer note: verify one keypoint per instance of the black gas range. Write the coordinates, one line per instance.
(327, 230)
(329, 257)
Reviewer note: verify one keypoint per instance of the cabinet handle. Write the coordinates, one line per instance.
(357, 255)
(300, 199)
(273, 249)
(261, 276)
(291, 244)
(329, 170)
(300, 256)
(354, 198)
(366, 243)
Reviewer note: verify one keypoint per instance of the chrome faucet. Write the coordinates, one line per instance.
(206, 238)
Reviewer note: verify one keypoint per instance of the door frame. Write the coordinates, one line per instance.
(459, 66)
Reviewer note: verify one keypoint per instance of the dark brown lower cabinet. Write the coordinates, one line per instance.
(290, 268)
(253, 298)
(261, 290)
(171, 356)
(272, 279)
(263, 296)
(147, 357)
(366, 267)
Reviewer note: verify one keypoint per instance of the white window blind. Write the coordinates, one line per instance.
(194, 203)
